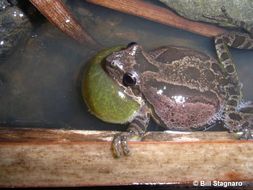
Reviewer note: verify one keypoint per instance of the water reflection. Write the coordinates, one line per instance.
(43, 75)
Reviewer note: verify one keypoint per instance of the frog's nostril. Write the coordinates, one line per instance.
(131, 44)
(113, 63)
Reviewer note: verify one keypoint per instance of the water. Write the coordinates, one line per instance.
(39, 83)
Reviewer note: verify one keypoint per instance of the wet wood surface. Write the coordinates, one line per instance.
(64, 158)
(59, 15)
(159, 14)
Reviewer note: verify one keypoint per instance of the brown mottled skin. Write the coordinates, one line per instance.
(181, 88)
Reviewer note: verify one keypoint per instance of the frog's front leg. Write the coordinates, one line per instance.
(136, 128)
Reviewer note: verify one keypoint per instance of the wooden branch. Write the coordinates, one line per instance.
(159, 14)
(58, 14)
(47, 158)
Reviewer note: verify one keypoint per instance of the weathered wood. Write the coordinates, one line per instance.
(43, 157)
(59, 15)
(159, 14)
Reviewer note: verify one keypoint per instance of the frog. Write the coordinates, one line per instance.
(181, 88)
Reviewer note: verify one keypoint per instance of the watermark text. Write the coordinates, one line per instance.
(218, 183)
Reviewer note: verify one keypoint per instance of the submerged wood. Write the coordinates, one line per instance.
(58, 14)
(47, 158)
(159, 14)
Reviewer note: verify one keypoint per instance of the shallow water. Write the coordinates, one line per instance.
(39, 83)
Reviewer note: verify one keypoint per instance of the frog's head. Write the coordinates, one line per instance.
(120, 66)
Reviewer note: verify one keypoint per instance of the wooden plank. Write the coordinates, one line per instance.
(59, 15)
(49, 158)
(159, 14)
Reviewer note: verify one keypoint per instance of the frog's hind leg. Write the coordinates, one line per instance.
(240, 121)
(235, 40)
(238, 116)
(233, 85)
(239, 40)
(136, 128)
(246, 109)
(234, 118)
(240, 24)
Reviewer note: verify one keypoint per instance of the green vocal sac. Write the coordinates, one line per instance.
(104, 98)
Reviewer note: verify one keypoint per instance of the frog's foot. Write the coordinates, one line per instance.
(237, 23)
(246, 108)
(227, 18)
(240, 121)
(245, 128)
(246, 134)
(120, 145)
(136, 128)
(223, 17)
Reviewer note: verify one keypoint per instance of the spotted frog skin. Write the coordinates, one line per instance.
(182, 89)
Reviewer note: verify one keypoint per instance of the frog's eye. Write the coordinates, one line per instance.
(129, 79)
(131, 44)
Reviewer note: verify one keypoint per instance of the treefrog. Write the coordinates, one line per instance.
(181, 88)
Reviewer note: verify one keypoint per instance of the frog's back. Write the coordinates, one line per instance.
(187, 67)
(168, 54)
(187, 92)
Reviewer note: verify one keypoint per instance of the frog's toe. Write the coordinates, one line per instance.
(124, 146)
(246, 134)
(223, 17)
(116, 147)
(223, 9)
(120, 145)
